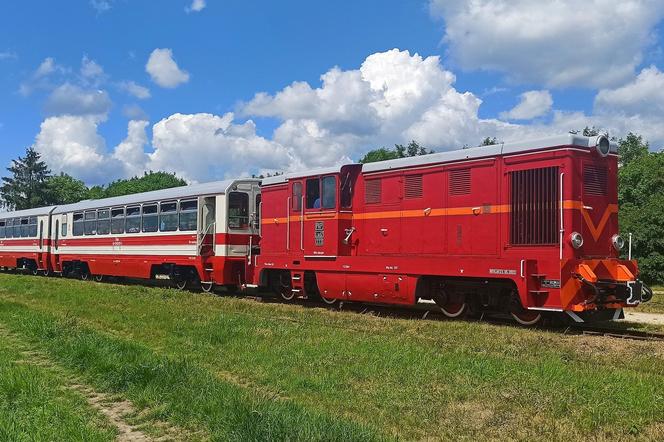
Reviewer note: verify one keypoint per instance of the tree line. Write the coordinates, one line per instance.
(31, 184)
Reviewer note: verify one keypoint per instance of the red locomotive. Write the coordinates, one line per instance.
(523, 228)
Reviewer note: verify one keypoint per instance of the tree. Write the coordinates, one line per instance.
(26, 187)
(400, 151)
(489, 141)
(65, 189)
(149, 181)
(641, 201)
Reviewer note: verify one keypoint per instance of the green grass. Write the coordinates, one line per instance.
(656, 304)
(246, 370)
(36, 406)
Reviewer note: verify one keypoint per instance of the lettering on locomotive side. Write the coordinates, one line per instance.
(502, 272)
(319, 233)
(551, 283)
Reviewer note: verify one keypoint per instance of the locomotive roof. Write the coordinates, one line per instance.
(194, 190)
(27, 212)
(487, 152)
(454, 155)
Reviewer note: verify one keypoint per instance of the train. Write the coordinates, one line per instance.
(528, 229)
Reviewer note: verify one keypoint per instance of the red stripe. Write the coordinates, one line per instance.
(19, 242)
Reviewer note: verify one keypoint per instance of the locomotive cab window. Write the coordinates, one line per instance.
(189, 215)
(296, 199)
(313, 193)
(78, 224)
(238, 210)
(346, 191)
(168, 216)
(103, 222)
(133, 219)
(150, 218)
(117, 221)
(329, 191)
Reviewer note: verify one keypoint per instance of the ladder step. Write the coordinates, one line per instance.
(538, 292)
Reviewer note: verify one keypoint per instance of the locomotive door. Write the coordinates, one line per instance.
(295, 218)
(321, 219)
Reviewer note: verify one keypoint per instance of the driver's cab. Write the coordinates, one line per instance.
(320, 212)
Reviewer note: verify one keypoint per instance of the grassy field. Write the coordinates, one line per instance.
(235, 369)
(656, 304)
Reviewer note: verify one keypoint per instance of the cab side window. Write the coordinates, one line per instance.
(296, 200)
(329, 187)
(313, 193)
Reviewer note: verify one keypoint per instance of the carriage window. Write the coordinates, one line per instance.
(313, 193)
(168, 216)
(104, 222)
(57, 233)
(329, 192)
(41, 234)
(188, 215)
(117, 221)
(257, 221)
(238, 210)
(296, 201)
(150, 218)
(2, 229)
(25, 228)
(17, 228)
(64, 225)
(9, 230)
(32, 227)
(133, 220)
(78, 224)
(91, 222)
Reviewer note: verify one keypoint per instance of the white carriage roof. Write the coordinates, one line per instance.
(486, 152)
(37, 211)
(194, 190)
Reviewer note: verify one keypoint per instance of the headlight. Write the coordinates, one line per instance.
(603, 145)
(618, 242)
(576, 239)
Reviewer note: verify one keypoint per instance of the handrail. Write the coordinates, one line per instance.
(562, 217)
(201, 238)
(288, 209)
(302, 225)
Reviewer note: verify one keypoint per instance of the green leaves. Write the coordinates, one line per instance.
(25, 188)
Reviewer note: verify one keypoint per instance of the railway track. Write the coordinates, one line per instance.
(426, 311)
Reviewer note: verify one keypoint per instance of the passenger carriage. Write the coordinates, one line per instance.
(523, 228)
(24, 239)
(198, 233)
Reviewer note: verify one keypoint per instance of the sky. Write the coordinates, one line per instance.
(212, 89)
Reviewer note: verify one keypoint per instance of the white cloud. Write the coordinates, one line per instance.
(71, 144)
(132, 88)
(90, 69)
(101, 5)
(42, 77)
(203, 147)
(643, 96)
(131, 152)
(532, 104)
(196, 6)
(8, 55)
(70, 99)
(562, 43)
(134, 112)
(46, 67)
(164, 70)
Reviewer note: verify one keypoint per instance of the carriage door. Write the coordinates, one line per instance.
(206, 234)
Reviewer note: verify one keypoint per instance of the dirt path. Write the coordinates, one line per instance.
(117, 411)
(645, 318)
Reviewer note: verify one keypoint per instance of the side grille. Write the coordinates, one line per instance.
(413, 186)
(459, 182)
(594, 180)
(534, 206)
(372, 191)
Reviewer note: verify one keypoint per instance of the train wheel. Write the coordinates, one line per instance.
(84, 275)
(526, 317)
(35, 271)
(46, 273)
(285, 288)
(208, 287)
(328, 301)
(453, 310)
(99, 278)
(181, 284)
